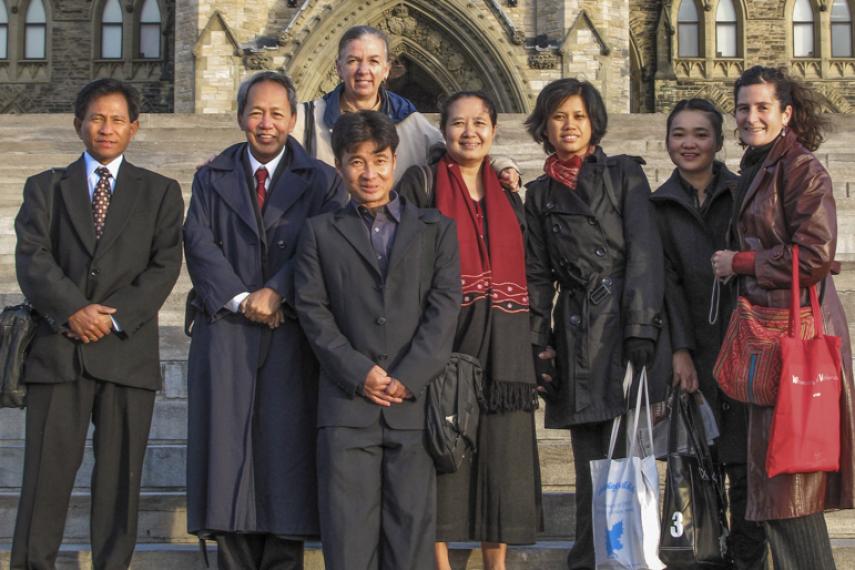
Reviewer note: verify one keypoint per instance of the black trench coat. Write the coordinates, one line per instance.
(605, 261)
(689, 239)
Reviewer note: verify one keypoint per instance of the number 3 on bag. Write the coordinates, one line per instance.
(677, 525)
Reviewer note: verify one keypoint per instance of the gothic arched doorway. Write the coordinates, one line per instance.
(412, 81)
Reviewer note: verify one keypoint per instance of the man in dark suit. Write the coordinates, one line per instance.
(378, 292)
(251, 479)
(99, 249)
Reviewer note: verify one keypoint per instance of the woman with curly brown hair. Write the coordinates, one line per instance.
(785, 197)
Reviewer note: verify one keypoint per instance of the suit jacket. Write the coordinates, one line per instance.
(355, 318)
(61, 268)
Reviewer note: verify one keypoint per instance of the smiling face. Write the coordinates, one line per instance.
(106, 130)
(759, 116)
(469, 131)
(569, 128)
(368, 173)
(267, 120)
(691, 142)
(363, 65)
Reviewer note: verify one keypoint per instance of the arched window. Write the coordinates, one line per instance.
(4, 31)
(803, 39)
(726, 40)
(688, 29)
(841, 29)
(149, 34)
(111, 30)
(35, 31)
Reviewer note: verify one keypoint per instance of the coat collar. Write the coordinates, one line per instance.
(672, 190)
(75, 192)
(787, 142)
(231, 183)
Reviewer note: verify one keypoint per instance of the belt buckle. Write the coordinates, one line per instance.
(601, 291)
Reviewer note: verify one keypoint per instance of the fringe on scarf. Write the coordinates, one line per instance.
(510, 397)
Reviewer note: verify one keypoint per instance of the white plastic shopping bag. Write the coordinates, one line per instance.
(626, 498)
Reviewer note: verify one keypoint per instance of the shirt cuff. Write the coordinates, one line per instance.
(234, 304)
(116, 326)
(743, 262)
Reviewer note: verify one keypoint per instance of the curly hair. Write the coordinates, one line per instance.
(807, 121)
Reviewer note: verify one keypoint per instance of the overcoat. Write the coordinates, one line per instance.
(252, 391)
(603, 257)
(790, 201)
(689, 239)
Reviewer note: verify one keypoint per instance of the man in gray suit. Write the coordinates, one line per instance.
(377, 293)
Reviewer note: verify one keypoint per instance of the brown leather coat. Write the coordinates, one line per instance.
(790, 201)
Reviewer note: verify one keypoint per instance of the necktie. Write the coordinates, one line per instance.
(101, 200)
(260, 190)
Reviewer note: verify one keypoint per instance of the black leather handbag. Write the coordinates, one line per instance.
(17, 328)
(694, 525)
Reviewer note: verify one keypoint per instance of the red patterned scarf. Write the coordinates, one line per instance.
(565, 171)
(493, 323)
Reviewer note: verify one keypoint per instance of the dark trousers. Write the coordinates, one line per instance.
(590, 441)
(377, 498)
(800, 543)
(58, 417)
(238, 551)
(746, 543)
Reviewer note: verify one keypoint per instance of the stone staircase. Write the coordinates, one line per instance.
(174, 145)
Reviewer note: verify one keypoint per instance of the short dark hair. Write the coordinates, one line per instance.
(352, 129)
(454, 98)
(273, 76)
(106, 86)
(696, 104)
(553, 95)
(357, 32)
(807, 122)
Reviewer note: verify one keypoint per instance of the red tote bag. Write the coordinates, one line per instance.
(805, 435)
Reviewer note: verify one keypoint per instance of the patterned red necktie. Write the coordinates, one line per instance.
(260, 190)
(101, 200)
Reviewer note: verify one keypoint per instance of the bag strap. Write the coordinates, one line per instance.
(309, 131)
(610, 188)
(627, 382)
(642, 387)
(427, 175)
(795, 303)
(715, 301)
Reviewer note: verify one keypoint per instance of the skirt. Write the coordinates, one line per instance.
(495, 496)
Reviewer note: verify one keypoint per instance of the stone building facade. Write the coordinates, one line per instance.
(642, 54)
(51, 48)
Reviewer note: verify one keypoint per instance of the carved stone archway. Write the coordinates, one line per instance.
(444, 40)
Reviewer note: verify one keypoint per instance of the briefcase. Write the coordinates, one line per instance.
(17, 328)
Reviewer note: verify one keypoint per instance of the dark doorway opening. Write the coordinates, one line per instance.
(410, 80)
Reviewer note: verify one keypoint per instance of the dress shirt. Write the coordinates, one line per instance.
(234, 303)
(382, 224)
(92, 179)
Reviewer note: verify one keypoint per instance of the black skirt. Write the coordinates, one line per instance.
(495, 496)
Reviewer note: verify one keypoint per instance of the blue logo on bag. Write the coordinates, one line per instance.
(613, 536)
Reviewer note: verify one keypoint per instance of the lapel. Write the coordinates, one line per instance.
(230, 183)
(409, 229)
(348, 224)
(75, 196)
(673, 191)
(565, 200)
(289, 186)
(775, 154)
(129, 186)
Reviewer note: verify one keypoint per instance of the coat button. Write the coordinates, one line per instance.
(600, 252)
(220, 243)
(607, 281)
(555, 229)
(725, 406)
(592, 221)
(575, 320)
(657, 321)
(281, 244)
(93, 274)
(381, 321)
(549, 205)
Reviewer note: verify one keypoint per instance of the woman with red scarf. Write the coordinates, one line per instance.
(494, 497)
(593, 240)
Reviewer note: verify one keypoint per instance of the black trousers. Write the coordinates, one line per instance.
(590, 441)
(58, 417)
(746, 543)
(377, 498)
(800, 543)
(239, 551)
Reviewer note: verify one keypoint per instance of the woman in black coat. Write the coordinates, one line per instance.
(693, 211)
(592, 238)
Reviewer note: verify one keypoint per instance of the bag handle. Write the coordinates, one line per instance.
(642, 386)
(795, 304)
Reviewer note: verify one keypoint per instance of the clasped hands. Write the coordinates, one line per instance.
(263, 306)
(383, 390)
(91, 323)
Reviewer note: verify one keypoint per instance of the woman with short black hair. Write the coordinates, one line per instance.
(592, 239)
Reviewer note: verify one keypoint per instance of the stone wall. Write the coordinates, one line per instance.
(50, 85)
